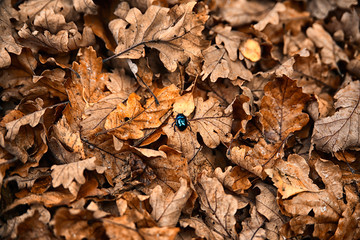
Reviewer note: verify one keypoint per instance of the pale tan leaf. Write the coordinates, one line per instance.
(175, 32)
(201, 229)
(167, 208)
(212, 121)
(65, 174)
(7, 41)
(330, 52)
(32, 119)
(219, 207)
(272, 17)
(219, 65)
(292, 176)
(85, 6)
(340, 131)
(231, 40)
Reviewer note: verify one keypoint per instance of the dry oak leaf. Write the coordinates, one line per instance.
(257, 158)
(234, 178)
(169, 169)
(219, 65)
(252, 227)
(281, 108)
(231, 39)
(330, 52)
(10, 229)
(85, 6)
(220, 208)
(326, 211)
(342, 130)
(76, 224)
(65, 174)
(175, 32)
(29, 9)
(201, 229)
(320, 8)
(60, 42)
(31, 119)
(241, 12)
(129, 121)
(251, 50)
(211, 120)
(167, 207)
(292, 176)
(272, 17)
(7, 41)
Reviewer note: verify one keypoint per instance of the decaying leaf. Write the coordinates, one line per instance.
(340, 131)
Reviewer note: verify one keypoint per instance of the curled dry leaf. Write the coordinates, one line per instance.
(271, 18)
(201, 229)
(234, 178)
(219, 65)
(175, 32)
(231, 40)
(167, 207)
(65, 174)
(251, 50)
(281, 108)
(340, 131)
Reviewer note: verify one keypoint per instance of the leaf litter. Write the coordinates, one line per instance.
(90, 93)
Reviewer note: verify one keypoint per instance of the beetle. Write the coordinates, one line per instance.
(181, 122)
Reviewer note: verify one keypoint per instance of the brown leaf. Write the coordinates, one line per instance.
(67, 173)
(175, 32)
(320, 9)
(128, 121)
(219, 207)
(201, 229)
(234, 178)
(12, 229)
(167, 207)
(85, 6)
(272, 17)
(243, 12)
(34, 228)
(219, 65)
(330, 52)
(292, 176)
(281, 108)
(7, 41)
(340, 131)
(254, 159)
(231, 40)
(212, 121)
(77, 224)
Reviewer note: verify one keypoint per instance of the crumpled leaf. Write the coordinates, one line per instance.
(320, 8)
(65, 174)
(7, 41)
(219, 65)
(201, 229)
(251, 50)
(281, 108)
(231, 40)
(340, 131)
(167, 208)
(175, 32)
